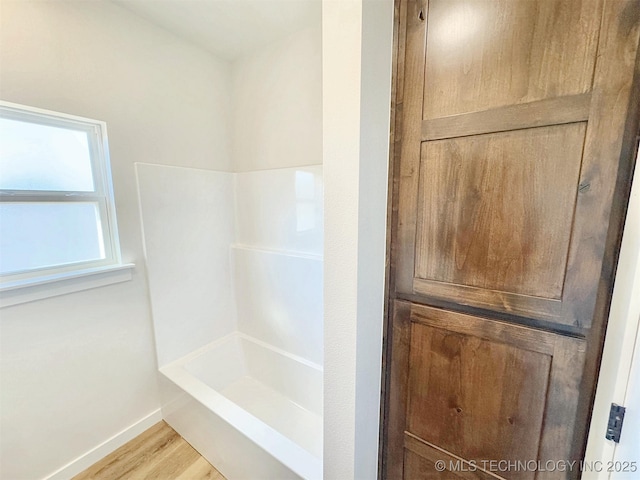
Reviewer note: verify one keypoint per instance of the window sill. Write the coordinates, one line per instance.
(23, 291)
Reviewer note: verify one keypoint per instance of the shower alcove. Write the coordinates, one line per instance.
(234, 261)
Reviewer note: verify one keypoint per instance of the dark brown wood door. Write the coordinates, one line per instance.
(513, 136)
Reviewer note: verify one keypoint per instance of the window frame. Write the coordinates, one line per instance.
(102, 194)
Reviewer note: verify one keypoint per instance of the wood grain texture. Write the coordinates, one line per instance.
(158, 454)
(611, 107)
(506, 66)
(561, 417)
(537, 24)
(479, 399)
(398, 390)
(395, 137)
(421, 457)
(553, 111)
(486, 54)
(495, 210)
(409, 137)
(524, 338)
(509, 303)
(628, 156)
(396, 332)
(397, 75)
(482, 389)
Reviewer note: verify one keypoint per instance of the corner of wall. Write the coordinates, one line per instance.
(357, 52)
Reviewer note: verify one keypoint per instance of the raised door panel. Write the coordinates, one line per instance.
(496, 216)
(495, 210)
(486, 54)
(482, 391)
(476, 398)
(511, 121)
(423, 462)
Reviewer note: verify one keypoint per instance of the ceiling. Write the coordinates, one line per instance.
(228, 28)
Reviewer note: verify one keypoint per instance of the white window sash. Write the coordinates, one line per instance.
(102, 194)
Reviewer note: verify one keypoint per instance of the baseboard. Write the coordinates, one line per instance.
(96, 454)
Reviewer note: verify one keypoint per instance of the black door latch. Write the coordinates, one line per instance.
(616, 417)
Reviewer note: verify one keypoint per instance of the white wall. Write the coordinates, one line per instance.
(377, 35)
(277, 135)
(277, 104)
(215, 238)
(188, 223)
(165, 102)
(79, 368)
(278, 260)
(341, 49)
(357, 40)
(281, 209)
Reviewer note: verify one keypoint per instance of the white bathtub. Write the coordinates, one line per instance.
(253, 411)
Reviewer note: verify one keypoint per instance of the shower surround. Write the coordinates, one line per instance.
(234, 264)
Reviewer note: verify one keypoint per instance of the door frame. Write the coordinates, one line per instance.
(621, 335)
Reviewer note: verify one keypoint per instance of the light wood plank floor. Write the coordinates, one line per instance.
(158, 454)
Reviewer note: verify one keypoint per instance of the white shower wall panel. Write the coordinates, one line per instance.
(280, 299)
(281, 209)
(188, 223)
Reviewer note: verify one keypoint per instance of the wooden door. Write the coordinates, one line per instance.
(514, 123)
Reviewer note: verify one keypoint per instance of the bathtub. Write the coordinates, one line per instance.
(252, 410)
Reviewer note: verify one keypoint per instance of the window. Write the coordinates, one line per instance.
(57, 214)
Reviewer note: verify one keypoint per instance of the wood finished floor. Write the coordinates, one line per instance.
(159, 454)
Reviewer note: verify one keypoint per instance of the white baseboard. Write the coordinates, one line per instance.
(96, 454)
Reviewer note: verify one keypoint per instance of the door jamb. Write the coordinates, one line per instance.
(622, 330)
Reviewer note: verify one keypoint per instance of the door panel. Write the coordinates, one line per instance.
(482, 390)
(476, 398)
(424, 462)
(486, 54)
(493, 209)
(507, 171)
(512, 119)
